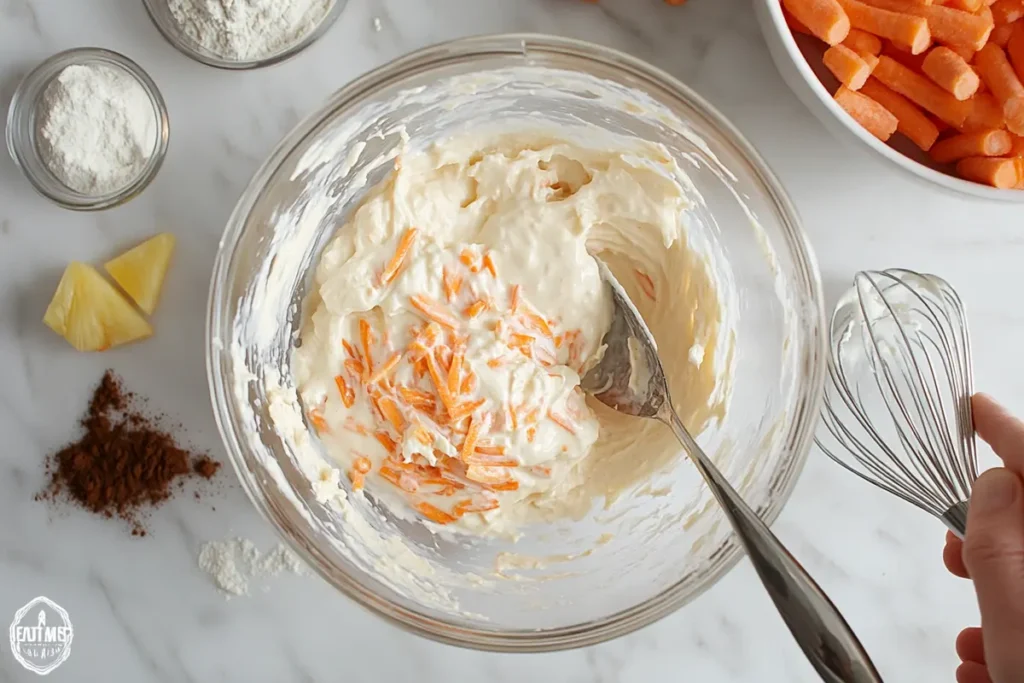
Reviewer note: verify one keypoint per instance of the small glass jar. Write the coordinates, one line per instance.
(23, 130)
(160, 13)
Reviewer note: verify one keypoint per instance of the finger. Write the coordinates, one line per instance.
(969, 645)
(994, 557)
(953, 556)
(1000, 430)
(972, 672)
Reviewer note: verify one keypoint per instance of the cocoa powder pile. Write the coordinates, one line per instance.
(125, 463)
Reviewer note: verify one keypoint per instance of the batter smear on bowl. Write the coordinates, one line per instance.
(453, 315)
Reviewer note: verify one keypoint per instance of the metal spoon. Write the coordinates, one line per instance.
(814, 621)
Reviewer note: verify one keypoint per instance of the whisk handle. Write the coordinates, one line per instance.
(821, 631)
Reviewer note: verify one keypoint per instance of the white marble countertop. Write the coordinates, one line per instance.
(143, 611)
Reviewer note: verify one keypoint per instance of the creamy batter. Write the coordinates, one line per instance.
(453, 315)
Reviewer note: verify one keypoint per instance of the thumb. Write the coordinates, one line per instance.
(994, 556)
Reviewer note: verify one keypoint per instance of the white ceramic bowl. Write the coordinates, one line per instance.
(798, 60)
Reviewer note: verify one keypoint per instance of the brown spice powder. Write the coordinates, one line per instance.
(124, 462)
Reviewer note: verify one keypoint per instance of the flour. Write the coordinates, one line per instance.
(97, 128)
(244, 30)
(234, 564)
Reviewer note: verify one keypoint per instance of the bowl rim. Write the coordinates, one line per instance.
(967, 187)
(185, 46)
(57, 63)
(804, 416)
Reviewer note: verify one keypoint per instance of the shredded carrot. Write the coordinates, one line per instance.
(452, 284)
(510, 485)
(398, 260)
(354, 366)
(419, 369)
(541, 470)
(989, 143)
(402, 480)
(358, 480)
(900, 27)
(433, 311)
(646, 284)
(455, 370)
(465, 409)
(921, 91)
(951, 73)
(468, 383)
(488, 264)
(490, 461)
(467, 505)
(531, 434)
(496, 362)
(468, 259)
(475, 308)
(362, 464)
(416, 398)
(423, 436)
(392, 414)
(366, 339)
(440, 383)
(318, 420)
(1001, 173)
(348, 395)
(562, 421)
(513, 299)
(875, 118)
(352, 353)
(385, 369)
(487, 449)
(386, 441)
(848, 66)
(469, 445)
(823, 18)
(353, 426)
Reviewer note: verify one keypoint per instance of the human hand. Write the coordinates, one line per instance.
(992, 554)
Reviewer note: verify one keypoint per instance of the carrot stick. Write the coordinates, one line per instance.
(965, 5)
(1017, 145)
(824, 18)
(875, 118)
(995, 69)
(398, 260)
(1001, 173)
(947, 25)
(986, 112)
(898, 26)
(921, 91)
(950, 72)
(1001, 34)
(989, 143)
(1007, 11)
(1015, 49)
(863, 42)
(913, 123)
(847, 66)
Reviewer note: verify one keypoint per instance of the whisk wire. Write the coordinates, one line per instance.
(897, 403)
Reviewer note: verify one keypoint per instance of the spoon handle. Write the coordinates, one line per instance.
(819, 628)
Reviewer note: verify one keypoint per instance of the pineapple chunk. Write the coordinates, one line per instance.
(140, 271)
(91, 314)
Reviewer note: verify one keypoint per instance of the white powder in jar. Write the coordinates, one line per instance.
(97, 128)
(244, 30)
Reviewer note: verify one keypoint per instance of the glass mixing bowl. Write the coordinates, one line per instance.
(571, 582)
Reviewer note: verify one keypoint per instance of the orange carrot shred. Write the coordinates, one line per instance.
(465, 408)
(434, 514)
(389, 409)
(475, 308)
(385, 369)
(362, 464)
(398, 260)
(318, 420)
(486, 449)
(562, 421)
(646, 284)
(440, 383)
(468, 383)
(354, 366)
(531, 433)
(469, 445)
(366, 339)
(488, 263)
(348, 395)
(350, 350)
(455, 371)
(452, 284)
(432, 310)
(386, 441)
(513, 302)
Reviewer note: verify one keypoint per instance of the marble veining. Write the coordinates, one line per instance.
(142, 610)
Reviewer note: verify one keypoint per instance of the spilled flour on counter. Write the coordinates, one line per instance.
(234, 564)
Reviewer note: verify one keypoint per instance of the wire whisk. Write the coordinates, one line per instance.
(897, 408)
